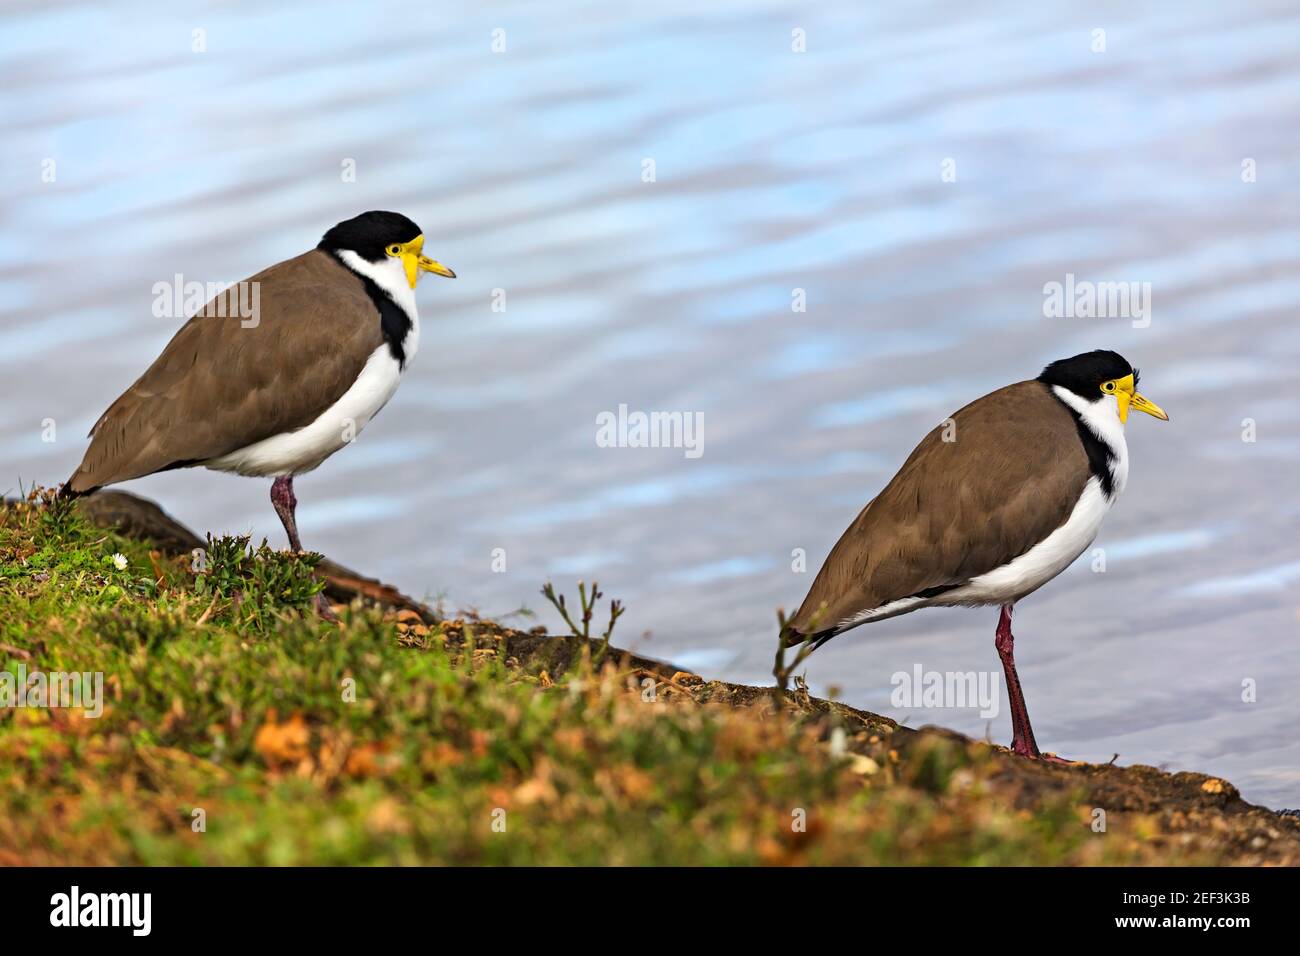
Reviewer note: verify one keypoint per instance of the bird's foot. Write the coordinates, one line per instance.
(324, 609)
(1065, 761)
(1030, 751)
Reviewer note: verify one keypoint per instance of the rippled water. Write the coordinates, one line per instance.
(774, 170)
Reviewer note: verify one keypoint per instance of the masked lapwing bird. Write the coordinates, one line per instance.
(274, 390)
(990, 506)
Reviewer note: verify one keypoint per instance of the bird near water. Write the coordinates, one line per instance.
(275, 393)
(989, 507)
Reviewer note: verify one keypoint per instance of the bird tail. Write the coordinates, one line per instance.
(791, 637)
(807, 632)
(67, 491)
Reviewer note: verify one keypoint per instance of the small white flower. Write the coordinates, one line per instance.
(119, 561)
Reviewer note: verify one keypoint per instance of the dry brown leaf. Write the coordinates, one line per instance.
(280, 743)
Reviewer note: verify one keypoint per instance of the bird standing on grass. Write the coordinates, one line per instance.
(987, 509)
(276, 393)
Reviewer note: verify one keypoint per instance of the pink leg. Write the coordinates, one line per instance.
(285, 503)
(1022, 734)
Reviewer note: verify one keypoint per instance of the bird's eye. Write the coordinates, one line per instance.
(394, 250)
(1108, 387)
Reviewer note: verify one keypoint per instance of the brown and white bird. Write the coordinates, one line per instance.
(988, 508)
(276, 393)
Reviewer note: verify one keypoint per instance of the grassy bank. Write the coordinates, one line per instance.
(238, 728)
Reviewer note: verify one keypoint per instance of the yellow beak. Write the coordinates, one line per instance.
(1127, 397)
(414, 263)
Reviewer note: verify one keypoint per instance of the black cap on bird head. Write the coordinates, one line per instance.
(370, 234)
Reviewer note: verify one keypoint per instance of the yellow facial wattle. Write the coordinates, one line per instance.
(1127, 397)
(414, 262)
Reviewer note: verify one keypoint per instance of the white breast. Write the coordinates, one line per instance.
(295, 452)
(1057, 551)
(1042, 562)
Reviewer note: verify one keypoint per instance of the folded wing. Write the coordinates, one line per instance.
(223, 383)
(957, 509)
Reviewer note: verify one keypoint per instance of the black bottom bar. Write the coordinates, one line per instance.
(217, 906)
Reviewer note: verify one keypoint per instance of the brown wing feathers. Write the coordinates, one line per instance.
(956, 509)
(219, 386)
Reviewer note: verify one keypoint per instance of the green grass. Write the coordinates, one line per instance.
(303, 742)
